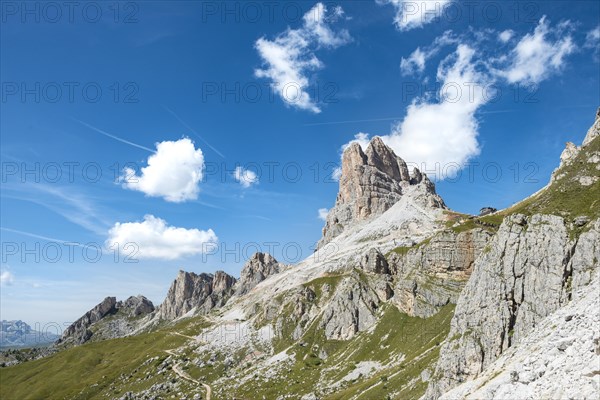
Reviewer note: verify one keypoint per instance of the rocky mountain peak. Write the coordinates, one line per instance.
(202, 292)
(257, 269)
(135, 306)
(78, 331)
(383, 158)
(571, 151)
(594, 131)
(95, 322)
(222, 282)
(371, 182)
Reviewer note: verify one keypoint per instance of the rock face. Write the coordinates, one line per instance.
(79, 332)
(560, 359)
(531, 269)
(571, 151)
(135, 306)
(371, 182)
(256, 270)
(432, 274)
(96, 324)
(594, 131)
(202, 292)
(375, 262)
(351, 309)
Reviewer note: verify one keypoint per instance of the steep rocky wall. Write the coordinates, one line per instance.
(530, 270)
(202, 292)
(109, 319)
(258, 268)
(432, 274)
(371, 182)
(560, 359)
(79, 331)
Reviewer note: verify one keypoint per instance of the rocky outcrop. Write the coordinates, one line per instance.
(571, 151)
(531, 269)
(431, 274)
(371, 182)
(201, 292)
(257, 269)
(560, 359)
(374, 262)
(109, 319)
(594, 131)
(135, 306)
(78, 332)
(351, 309)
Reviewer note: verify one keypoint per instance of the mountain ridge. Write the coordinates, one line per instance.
(394, 305)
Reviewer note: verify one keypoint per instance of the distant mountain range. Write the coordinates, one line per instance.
(19, 334)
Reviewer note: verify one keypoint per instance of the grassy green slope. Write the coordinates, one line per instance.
(93, 370)
(396, 334)
(565, 197)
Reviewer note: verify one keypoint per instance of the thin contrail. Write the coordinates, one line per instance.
(388, 119)
(352, 121)
(193, 131)
(36, 236)
(139, 146)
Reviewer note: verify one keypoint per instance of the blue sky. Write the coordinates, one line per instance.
(236, 166)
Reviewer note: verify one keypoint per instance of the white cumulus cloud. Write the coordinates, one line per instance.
(245, 177)
(539, 54)
(6, 277)
(154, 238)
(415, 14)
(439, 134)
(323, 213)
(290, 57)
(173, 172)
(443, 131)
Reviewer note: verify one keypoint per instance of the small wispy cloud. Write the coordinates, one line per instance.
(322, 214)
(49, 239)
(6, 277)
(539, 54)
(67, 202)
(245, 177)
(291, 56)
(592, 41)
(415, 14)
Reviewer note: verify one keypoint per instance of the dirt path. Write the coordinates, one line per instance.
(177, 369)
(186, 336)
(181, 373)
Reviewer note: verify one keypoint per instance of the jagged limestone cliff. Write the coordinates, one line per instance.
(560, 359)
(371, 183)
(199, 293)
(529, 270)
(109, 319)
